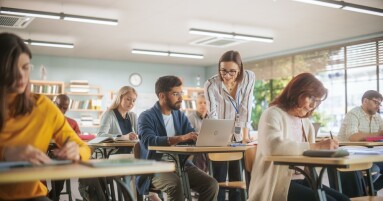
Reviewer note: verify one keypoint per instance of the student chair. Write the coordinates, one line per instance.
(136, 152)
(366, 168)
(227, 157)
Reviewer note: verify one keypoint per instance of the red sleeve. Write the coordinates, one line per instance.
(74, 125)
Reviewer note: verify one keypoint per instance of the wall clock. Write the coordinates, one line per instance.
(135, 79)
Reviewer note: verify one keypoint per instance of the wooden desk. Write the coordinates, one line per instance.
(311, 162)
(363, 143)
(175, 151)
(81, 171)
(112, 146)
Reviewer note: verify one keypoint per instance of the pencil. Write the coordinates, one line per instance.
(331, 135)
(66, 140)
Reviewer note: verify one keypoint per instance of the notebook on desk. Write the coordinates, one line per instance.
(98, 163)
(215, 133)
(109, 139)
(21, 164)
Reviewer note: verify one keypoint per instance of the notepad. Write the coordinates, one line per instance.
(116, 162)
(326, 153)
(374, 139)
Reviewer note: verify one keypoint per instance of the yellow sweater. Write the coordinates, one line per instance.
(44, 123)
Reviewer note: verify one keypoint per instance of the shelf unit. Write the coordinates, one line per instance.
(86, 106)
(48, 88)
(189, 98)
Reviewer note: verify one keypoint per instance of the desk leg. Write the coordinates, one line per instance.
(370, 183)
(184, 177)
(314, 181)
(125, 187)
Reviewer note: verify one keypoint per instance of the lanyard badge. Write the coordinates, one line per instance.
(237, 126)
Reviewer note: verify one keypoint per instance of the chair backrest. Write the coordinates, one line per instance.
(356, 167)
(230, 156)
(250, 158)
(136, 150)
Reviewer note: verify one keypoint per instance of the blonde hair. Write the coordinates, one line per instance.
(122, 92)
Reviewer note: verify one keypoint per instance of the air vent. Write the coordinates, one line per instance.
(217, 42)
(19, 22)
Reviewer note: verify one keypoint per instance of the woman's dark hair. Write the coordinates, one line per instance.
(11, 47)
(166, 83)
(235, 57)
(301, 86)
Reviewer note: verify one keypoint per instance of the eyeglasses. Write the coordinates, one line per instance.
(177, 94)
(225, 72)
(377, 103)
(314, 100)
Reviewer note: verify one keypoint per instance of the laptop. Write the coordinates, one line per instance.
(215, 133)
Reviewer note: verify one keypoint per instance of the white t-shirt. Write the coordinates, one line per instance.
(169, 125)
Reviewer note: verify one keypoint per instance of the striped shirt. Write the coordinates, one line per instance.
(356, 120)
(221, 105)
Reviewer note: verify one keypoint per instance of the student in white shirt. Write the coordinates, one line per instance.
(229, 95)
(285, 129)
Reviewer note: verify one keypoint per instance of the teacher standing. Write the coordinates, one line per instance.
(229, 95)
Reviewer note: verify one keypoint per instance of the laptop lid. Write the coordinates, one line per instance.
(215, 133)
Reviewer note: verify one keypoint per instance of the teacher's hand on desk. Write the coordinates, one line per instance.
(70, 151)
(25, 153)
(325, 144)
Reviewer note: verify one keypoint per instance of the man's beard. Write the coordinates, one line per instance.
(173, 106)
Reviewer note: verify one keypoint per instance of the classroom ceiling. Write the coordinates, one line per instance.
(163, 26)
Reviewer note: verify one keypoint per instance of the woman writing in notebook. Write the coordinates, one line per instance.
(285, 129)
(229, 95)
(119, 120)
(28, 122)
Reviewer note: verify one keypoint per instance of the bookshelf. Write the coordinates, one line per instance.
(189, 98)
(48, 88)
(86, 103)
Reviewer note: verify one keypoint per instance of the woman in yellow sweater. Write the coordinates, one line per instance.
(28, 122)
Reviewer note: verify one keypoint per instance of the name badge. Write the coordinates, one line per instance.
(237, 125)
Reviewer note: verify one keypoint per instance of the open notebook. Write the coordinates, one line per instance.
(109, 139)
(116, 162)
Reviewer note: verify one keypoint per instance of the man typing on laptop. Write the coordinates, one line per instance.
(164, 125)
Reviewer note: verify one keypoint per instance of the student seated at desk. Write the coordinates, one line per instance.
(119, 120)
(358, 124)
(62, 102)
(285, 129)
(164, 125)
(28, 122)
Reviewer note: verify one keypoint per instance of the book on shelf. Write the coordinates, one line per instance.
(79, 86)
(79, 82)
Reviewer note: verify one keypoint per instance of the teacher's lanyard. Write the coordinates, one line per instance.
(237, 126)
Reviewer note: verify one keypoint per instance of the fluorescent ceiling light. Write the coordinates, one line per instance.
(31, 13)
(258, 38)
(165, 53)
(192, 56)
(331, 4)
(49, 44)
(150, 52)
(210, 33)
(76, 18)
(346, 6)
(231, 35)
(90, 20)
(360, 9)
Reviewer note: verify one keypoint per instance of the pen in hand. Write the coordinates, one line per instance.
(66, 141)
(331, 135)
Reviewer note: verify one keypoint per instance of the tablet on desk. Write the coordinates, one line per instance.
(21, 164)
(326, 153)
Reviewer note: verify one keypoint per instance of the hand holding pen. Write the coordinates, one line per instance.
(69, 151)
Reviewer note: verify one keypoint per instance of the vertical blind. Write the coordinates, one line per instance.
(358, 54)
